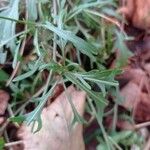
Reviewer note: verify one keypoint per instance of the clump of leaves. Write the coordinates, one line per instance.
(70, 42)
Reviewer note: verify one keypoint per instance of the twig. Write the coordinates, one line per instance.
(123, 17)
(138, 126)
(13, 143)
(4, 126)
(142, 125)
(115, 118)
(55, 36)
(7, 139)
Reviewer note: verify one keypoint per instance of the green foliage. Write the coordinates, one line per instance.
(32, 70)
(70, 44)
(7, 27)
(125, 138)
(3, 56)
(32, 7)
(3, 76)
(1, 143)
(85, 47)
(124, 53)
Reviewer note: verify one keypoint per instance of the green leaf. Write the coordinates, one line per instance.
(32, 9)
(100, 77)
(102, 81)
(15, 60)
(53, 66)
(8, 27)
(2, 142)
(84, 82)
(2, 43)
(3, 76)
(124, 52)
(24, 76)
(81, 45)
(18, 119)
(35, 115)
(82, 7)
(100, 74)
(94, 95)
(100, 108)
(125, 138)
(111, 12)
(36, 43)
(103, 89)
(3, 56)
(77, 117)
(29, 73)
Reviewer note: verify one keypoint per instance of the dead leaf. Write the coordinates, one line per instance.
(1, 120)
(143, 109)
(56, 132)
(130, 93)
(4, 98)
(135, 75)
(147, 68)
(138, 11)
(138, 101)
(136, 93)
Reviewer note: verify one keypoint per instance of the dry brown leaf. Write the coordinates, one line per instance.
(131, 94)
(4, 98)
(131, 74)
(147, 68)
(138, 11)
(143, 109)
(136, 100)
(56, 132)
(1, 120)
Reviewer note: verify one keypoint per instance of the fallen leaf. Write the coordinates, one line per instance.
(136, 92)
(143, 109)
(131, 94)
(138, 12)
(1, 120)
(135, 75)
(56, 132)
(4, 98)
(147, 68)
